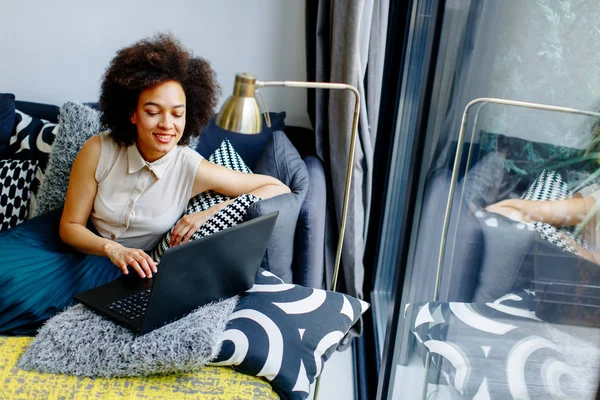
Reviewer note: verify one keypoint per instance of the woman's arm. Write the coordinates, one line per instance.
(228, 182)
(78, 207)
(567, 212)
(232, 183)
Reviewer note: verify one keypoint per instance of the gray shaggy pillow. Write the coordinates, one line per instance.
(80, 342)
(76, 124)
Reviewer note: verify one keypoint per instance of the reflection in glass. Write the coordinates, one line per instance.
(514, 311)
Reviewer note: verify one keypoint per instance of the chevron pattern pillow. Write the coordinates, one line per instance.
(231, 215)
(550, 186)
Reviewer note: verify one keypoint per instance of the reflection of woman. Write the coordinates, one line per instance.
(131, 184)
(582, 208)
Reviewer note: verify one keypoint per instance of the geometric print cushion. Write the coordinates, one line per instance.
(501, 350)
(227, 217)
(32, 139)
(231, 215)
(15, 181)
(550, 186)
(285, 333)
(225, 156)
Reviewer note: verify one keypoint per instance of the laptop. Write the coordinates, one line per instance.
(567, 287)
(190, 275)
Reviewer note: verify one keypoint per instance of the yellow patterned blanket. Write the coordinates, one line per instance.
(208, 383)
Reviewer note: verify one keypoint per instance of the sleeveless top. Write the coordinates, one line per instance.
(137, 202)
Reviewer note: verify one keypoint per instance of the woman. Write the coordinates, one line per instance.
(581, 210)
(127, 188)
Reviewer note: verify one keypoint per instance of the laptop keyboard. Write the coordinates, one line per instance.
(131, 307)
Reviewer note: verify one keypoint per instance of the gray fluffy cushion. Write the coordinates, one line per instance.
(81, 342)
(76, 124)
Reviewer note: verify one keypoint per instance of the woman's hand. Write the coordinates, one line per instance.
(188, 225)
(509, 209)
(123, 257)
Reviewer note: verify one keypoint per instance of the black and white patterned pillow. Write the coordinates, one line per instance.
(498, 350)
(15, 181)
(32, 139)
(231, 215)
(285, 332)
(550, 186)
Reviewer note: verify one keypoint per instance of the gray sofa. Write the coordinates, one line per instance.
(297, 165)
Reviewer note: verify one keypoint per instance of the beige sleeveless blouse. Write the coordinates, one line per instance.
(138, 202)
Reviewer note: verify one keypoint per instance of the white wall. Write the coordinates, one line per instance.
(55, 51)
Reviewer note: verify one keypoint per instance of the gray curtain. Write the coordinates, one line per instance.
(349, 47)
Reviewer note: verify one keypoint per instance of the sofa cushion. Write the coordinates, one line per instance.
(286, 332)
(309, 243)
(48, 112)
(250, 147)
(282, 161)
(77, 123)
(225, 218)
(225, 156)
(7, 120)
(32, 139)
(80, 342)
(15, 180)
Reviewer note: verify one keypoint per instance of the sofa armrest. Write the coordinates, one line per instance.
(309, 243)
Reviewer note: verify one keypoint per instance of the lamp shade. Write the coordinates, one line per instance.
(240, 112)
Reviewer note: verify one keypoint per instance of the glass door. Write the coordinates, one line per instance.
(488, 273)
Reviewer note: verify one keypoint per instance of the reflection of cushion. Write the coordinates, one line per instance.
(286, 332)
(483, 181)
(282, 161)
(250, 147)
(550, 186)
(15, 179)
(80, 342)
(501, 350)
(77, 123)
(225, 156)
(32, 139)
(506, 245)
(7, 120)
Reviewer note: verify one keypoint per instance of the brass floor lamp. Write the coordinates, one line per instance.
(240, 113)
(455, 169)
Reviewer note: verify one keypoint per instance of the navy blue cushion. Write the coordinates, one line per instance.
(282, 161)
(309, 244)
(49, 112)
(7, 120)
(286, 332)
(249, 147)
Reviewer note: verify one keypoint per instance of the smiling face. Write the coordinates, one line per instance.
(160, 119)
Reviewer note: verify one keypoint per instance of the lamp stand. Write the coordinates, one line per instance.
(349, 167)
